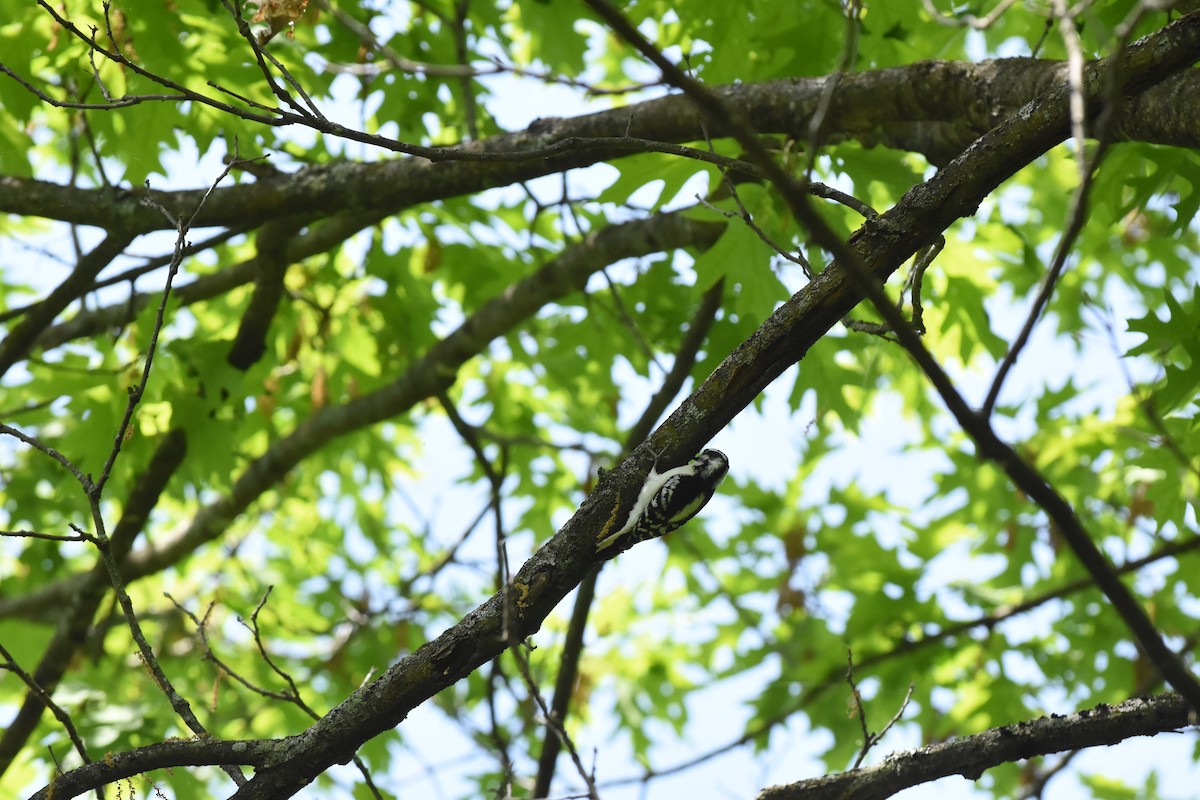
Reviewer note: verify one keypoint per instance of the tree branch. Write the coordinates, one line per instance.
(16, 344)
(556, 568)
(972, 755)
(568, 668)
(868, 258)
(934, 108)
(435, 371)
(164, 755)
(75, 619)
(272, 263)
(781, 341)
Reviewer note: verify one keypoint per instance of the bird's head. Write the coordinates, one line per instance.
(711, 465)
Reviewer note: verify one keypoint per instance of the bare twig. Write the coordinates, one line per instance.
(75, 613)
(853, 11)
(629, 323)
(1033, 789)
(280, 117)
(869, 739)
(968, 20)
(554, 724)
(461, 71)
(135, 393)
(95, 490)
(496, 732)
(1076, 215)
(261, 56)
(744, 215)
(37, 444)
(495, 479)
(292, 695)
(913, 285)
(78, 536)
(1070, 35)
(10, 664)
(470, 435)
(916, 280)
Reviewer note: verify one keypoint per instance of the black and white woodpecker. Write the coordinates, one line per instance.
(667, 500)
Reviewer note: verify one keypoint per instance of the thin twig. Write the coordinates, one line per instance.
(870, 739)
(280, 117)
(10, 664)
(496, 480)
(79, 536)
(853, 10)
(968, 20)
(135, 393)
(292, 696)
(553, 723)
(36, 444)
(1076, 219)
(461, 71)
(95, 492)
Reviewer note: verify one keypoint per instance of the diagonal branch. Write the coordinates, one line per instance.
(1041, 126)
(936, 109)
(972, 755)
(568, 668)
(15, 346)
(1077, 213)
(561, 564)
(435, 371)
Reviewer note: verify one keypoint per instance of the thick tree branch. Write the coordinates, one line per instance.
(972, 755)
(562, 563)
(781, 341)
(164, 755)
(272, 261)
(568, 668)
(555, 569)
(935, 108)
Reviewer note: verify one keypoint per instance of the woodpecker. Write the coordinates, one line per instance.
(667, 500)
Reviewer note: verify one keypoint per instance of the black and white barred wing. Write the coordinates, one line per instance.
(668, 500)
